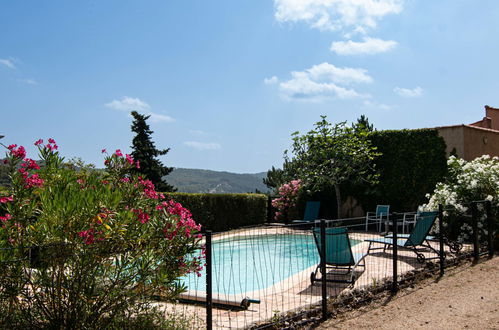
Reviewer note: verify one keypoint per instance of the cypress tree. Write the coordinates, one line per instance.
(146, 153)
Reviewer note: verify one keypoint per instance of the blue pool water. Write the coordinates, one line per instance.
(248, 263)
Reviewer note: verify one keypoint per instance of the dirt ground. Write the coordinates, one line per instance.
(465, 298)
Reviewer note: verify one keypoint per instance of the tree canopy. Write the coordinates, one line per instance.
(333, 154)
(147, 154)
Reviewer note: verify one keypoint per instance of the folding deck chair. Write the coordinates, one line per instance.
(311, 213)
(339, 254)
(415, 241)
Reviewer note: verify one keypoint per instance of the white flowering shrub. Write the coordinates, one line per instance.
(468, 181)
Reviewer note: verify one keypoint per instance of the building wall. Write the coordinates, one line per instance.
(454, 138)
(470, 142)
(478, 142)
(493, 114)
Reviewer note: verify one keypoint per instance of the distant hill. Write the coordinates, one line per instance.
(206, 181)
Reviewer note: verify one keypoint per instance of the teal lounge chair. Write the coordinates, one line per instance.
(311, 213)
(379, 217)
(416, 240)
(339, 254)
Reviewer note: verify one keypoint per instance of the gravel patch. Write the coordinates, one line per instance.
(466, 297)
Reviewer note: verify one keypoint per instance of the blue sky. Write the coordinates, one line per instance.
(227, 82)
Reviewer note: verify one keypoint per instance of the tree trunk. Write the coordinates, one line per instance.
(338, 199)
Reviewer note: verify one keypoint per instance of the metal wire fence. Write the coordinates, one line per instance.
(262, 277)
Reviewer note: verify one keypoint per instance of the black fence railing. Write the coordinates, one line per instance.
(274, 275)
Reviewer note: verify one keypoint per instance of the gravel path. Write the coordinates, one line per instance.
(465, 298)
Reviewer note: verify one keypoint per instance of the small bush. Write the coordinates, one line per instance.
(221, 212)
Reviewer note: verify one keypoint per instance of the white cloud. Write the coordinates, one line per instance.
(329, 72)
(129, 104)
(406, 92)
(196, 131)
(29, 81)
(8, 63)
(270, 81)
(323, 81)
(202, 145)
(156, 118)
(368, 46)
(336, 14)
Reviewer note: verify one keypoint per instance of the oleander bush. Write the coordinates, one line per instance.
(85, 249)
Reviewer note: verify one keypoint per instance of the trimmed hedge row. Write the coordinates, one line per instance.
(411, 164)
(220, 212)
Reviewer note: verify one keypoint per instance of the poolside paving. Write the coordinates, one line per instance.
(297, 292)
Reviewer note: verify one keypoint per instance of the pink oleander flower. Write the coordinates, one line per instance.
(19, 153)
(137, 164)
(30, 164)
(52, 141)
(33, 181)
(141, 216)
(118, 153)
(6, 217)
(38, 142)
(87, 235)
(103, 151)
(6, 199)
(129, 159)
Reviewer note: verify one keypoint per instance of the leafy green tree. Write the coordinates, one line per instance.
(334, 154)
(146, 153)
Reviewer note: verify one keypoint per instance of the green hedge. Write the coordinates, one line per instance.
(220, 212)
(411, 164)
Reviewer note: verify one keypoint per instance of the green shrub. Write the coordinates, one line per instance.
(82, 249)
(220, 212)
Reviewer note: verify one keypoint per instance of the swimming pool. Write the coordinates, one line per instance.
(247, 263)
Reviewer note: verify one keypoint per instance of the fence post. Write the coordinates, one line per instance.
(474, 224)
(269, 209)
(490, 228)
(395, 252)
(209, 297)
(441, 237)
(323, 269)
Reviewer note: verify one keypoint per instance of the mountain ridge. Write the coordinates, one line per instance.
(192, 180)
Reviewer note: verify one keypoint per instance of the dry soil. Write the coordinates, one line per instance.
(465, 298)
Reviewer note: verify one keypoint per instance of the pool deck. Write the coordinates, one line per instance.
(297, 292)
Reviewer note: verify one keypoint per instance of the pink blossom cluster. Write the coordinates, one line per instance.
(6, 217)
(196, 265)
(142, 216)
(149, 189)
(288, 193)
(184, 222)
(118, 156)
(30, 164)
(30, 181)
(6, 199)
(51, 145)
(89, 235)
(17, 152)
